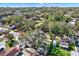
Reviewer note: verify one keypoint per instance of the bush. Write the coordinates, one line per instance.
(50, 48)
(1, 40)
(1, 33)
(10, 44)
(71, 46)
(59, 52)
(77, 25)
(10, 36)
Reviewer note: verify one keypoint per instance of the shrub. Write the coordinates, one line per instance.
(1, 40)
(59, 52)
(71, 46)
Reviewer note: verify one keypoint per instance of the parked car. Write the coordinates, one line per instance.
(2, 46)
(64, 45)
(77, 44)
(12, 27)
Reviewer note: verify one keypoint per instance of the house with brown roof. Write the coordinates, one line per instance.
(30, 52)
(2, 53)
(11, 52)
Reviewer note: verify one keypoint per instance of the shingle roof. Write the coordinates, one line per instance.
(30, 52)
(12, 51)
(64, 45)
(2, 53)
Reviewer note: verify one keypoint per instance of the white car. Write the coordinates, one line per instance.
(2, 46)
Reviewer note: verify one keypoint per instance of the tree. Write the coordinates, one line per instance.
(77, 25)
(26, 24)
(36, 38)
(59, 52)
(45, 24)
(68, 30)
(11, 40)
(67, 18)
(71, 47)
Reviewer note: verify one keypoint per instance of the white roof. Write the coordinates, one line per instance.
(63, 44)
(15, 34)
(74, 53)
(2, 36)
(3, 28)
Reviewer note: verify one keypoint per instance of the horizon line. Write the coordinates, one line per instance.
(39, 4)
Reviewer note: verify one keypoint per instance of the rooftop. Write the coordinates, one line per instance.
(11, 52)
(74, 53)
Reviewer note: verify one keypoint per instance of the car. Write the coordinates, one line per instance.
(2, 46)
(1, 49)
(77, 44)
(12, 27)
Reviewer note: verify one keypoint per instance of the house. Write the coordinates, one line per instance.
(21, 45)
(42, 51)
(71, 40)
(72, 22)
(15, 35)
(30, 52)
(2, 53)
(12, 27)
(74, 53)
(3, 36)
(3, 29)
(18, 13)
(67, 15)
(64, 45)
(12, 52)
(77, 49)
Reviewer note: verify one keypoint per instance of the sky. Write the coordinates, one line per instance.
(39, 4)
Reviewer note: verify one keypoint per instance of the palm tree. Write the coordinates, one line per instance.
(49, 24)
